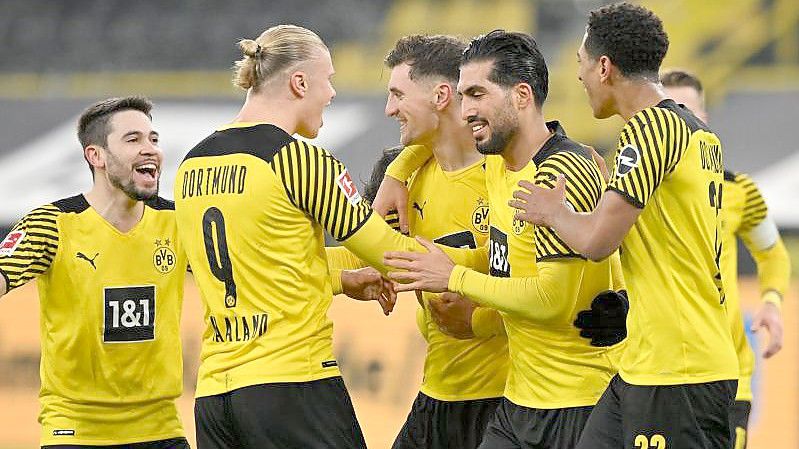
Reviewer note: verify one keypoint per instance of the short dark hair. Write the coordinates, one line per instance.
(428, 55)
(631, 36)
(379, 172)
(93, 127)
(681, 78)
(516, 57)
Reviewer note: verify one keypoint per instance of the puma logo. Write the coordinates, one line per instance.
(80, 255)
(419, 208)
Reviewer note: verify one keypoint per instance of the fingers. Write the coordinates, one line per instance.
(560, 184)
(428, 244)
(527, 185)
(775, 342)
(600, 162)
(411, 286)
(402, 212)
(400, 255)
(516, 204)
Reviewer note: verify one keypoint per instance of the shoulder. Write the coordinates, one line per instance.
(74, 204)
(159, 203)
(262, 141)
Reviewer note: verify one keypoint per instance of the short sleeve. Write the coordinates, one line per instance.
(584, 185)
(754, 210)
(30, 248)
(649, 147)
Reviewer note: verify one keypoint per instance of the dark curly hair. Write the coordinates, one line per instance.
(379, 172)
(631, 36)
(516, 60)
(427, 55)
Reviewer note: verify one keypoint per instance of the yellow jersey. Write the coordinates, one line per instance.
(551, 365)
(252, 206)
(669, 164)
(744, 215)
(111, 364)
(451, 208)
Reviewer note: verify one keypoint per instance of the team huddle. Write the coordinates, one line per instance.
(564, 305)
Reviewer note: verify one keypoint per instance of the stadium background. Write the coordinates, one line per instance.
(57, 57)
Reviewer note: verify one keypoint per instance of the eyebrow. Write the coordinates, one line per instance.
(470, 89)
(394, 90)
(138, 133)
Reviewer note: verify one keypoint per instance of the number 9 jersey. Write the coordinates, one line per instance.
(252, 205)
(111, 365)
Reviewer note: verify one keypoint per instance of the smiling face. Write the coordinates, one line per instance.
(589, 73)
(487, 108)
(320, 93)
(133, 159)
(412, 104)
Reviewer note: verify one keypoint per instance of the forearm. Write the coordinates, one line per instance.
(340, 258)
(411, 158)
(547, 297)
(598, 234)
(616, 272)
(773, 268)
(487, 322)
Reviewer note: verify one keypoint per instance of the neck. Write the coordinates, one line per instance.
(633, 96)
(275, 110)
(114, 205)
(530, 137)
(453, 147)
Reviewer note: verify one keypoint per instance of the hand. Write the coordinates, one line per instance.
(423, 271)
(452, 313)
(769, 317)
(600, 162)
(539, 205)
(392, 195)
(606, 323)
(367, 284)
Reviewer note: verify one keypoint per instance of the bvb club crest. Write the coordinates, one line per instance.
(164, 258)
(480, 217)
(518, 226)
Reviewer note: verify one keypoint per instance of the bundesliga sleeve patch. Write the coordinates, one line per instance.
(11, 243)
(344, 182)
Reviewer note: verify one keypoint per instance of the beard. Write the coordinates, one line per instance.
(129, 188)
(502, 132)
(126, 183)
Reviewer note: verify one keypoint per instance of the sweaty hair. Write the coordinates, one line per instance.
(631, 36)
(379, 172)
(516, 60)
(437, 56)
(277, 49)
(681, 78)
(94, 123)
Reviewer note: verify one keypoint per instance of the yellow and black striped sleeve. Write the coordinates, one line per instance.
(320, 185)
(755, 210)
(650, 146)
(584, 186)
(29, 249)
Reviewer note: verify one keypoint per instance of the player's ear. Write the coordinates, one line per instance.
(605, 67)
(523, 96)
(443, 96)
(95, 156)
(298, 83)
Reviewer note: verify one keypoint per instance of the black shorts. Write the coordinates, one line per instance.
(695, 416)
(291, 415)
(739, 423)
(517, 427)
(434, 424)
(172, 443)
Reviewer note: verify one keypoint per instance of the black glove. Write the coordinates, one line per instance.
(606, 323)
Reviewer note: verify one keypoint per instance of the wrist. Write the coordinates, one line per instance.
(772, 297)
